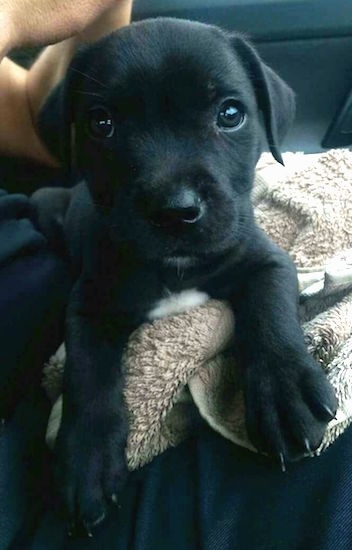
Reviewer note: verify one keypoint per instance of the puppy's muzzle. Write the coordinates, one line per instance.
(181, 209)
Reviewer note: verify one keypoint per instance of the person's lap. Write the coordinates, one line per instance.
(206, 493)
(34, 286)
(209, 494)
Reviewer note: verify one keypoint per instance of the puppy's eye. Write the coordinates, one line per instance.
(100, 123)
(231, 115)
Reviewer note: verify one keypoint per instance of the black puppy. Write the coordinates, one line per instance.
(165, 119)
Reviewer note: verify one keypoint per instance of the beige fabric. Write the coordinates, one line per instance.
(178, 368)
(310, 216)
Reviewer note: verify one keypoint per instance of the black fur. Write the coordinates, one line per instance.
(163, 82)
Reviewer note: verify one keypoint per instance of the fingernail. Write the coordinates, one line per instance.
(114, 499)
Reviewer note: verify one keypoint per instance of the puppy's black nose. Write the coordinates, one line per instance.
(182, 208)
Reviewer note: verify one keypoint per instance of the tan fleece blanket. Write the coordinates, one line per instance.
(177, 368)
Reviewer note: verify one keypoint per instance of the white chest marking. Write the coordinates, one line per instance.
(177, 303)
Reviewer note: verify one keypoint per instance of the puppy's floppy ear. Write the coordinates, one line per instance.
(55, 120)
(274, 97)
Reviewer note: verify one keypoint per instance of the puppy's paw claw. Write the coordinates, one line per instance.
(282, 462)
(307, 446)
(114, 499)
(88, 530)
(289, 402)
(90, 524)
(331, 414)
(87, 491)
(71, 528)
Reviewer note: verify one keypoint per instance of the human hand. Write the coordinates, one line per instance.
(29, 22)
(36, 22)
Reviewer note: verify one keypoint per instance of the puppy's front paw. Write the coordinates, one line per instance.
(91, 468)
(289, 403)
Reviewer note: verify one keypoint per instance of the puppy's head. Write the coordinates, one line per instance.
(165, 120)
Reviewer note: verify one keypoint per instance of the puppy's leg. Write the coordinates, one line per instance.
(288, 398)
(92, 438)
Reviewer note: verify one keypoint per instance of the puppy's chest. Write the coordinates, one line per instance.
(147, 296)
(171, 302)
(176, 302)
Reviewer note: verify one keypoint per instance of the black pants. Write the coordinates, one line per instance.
(206, 493)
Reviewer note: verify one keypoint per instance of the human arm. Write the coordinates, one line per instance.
(22, 92)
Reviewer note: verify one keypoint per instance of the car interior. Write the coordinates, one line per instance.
(305, 41)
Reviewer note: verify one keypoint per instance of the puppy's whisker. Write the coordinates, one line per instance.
(89, 76)
(83, 92)
(180, 271)
(98, 204)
